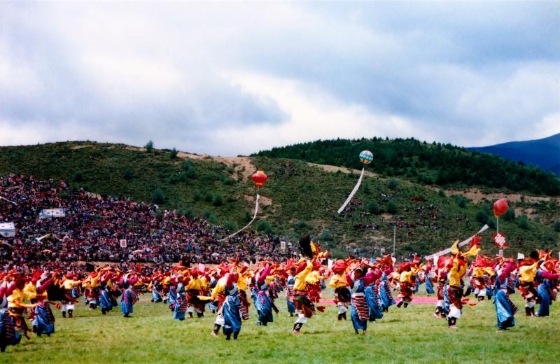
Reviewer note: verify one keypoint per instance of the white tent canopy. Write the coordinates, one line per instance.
(50, 213)
(7, 229)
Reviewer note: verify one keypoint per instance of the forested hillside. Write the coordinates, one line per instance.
(426, 164)
(393, 208)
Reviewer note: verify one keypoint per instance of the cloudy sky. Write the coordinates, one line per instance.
(234, 77)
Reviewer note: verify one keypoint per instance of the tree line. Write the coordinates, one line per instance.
(425, 163)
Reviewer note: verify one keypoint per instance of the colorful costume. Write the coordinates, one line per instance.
(304, 306)
(43, 322)
(358, 307)
(338, 282)
(231, 308)
(290, 292)
(407, 282)
(429, 279)
(372, 298)
(455, 290)
(261, 298)
(128, 300)
(386, 299)
(547, 280)
(71, 292)
(505, 308)
(527, 285)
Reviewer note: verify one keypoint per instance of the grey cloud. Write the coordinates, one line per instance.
(160, 71)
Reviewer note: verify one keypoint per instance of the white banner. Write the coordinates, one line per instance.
(352, 193)
(464, 242)
(5, 199)
(7, 229)
(250, 222)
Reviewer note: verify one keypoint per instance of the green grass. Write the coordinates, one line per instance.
(408, 335)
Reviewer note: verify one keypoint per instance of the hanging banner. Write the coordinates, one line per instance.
(463, 243)
(250, 222)
(352, 193)
(365, 157)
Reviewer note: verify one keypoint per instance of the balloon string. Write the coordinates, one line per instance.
(250, 222)
(352, 193)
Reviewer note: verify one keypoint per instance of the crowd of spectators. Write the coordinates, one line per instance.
(112, 229)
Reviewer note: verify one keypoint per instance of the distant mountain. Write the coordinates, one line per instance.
(543, 153)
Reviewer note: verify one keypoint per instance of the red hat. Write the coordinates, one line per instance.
(317, 264)
(194, 272)
(14, 274)
(339, 267)
(404, 266)
(289, 264)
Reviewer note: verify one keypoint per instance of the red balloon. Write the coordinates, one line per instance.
(500, 207)
(259, 178)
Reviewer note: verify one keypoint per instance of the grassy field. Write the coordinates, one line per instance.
(410, 335)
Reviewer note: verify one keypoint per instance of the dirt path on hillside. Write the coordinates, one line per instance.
(477, 196)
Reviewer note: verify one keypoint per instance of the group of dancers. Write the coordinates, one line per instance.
(536, 278)
(30, 297)
(363, 287)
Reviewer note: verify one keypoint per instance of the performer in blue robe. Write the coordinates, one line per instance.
(43, 322)
(230, 311)
(156, 291)
(372, 299)
(429, 284)
(129, 298)
(505, 308)
(358, 306)
(105, 300)
(8, 333)
(547, 280)
(262, 303)
(180, 308)
(290, 292)
(386, 299)
(172, 297)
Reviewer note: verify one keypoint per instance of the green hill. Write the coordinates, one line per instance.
(405, 202)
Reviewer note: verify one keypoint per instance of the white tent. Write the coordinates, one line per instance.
(7, 229)
(50, 213)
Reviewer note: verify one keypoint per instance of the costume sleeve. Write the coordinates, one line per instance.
(43, 287)
(231, 279)
(349, 279)
(548, 275)
(265, 272)
(507, 271)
